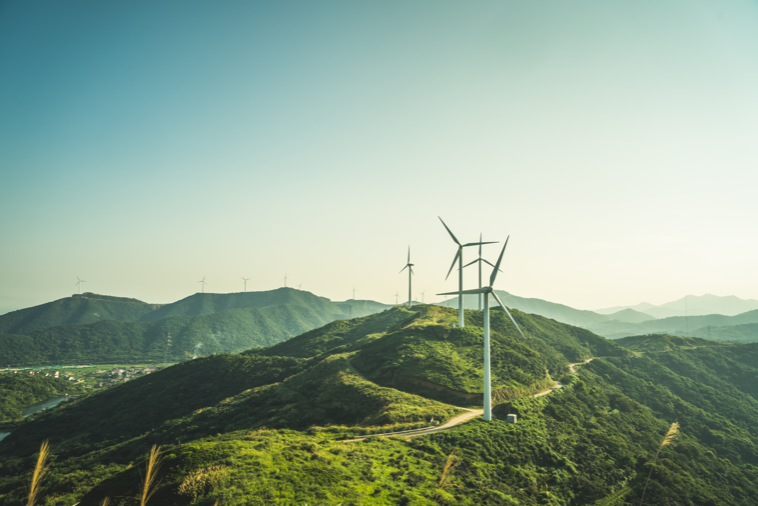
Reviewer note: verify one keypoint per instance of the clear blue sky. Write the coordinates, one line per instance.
(146, 144)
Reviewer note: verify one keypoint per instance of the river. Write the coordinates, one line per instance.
(37, 407)
(41, 406)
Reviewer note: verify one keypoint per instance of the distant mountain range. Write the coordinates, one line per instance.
(691, 305)
(99, 328)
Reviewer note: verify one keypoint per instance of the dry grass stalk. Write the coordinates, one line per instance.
(149, 485)
(40, 470)
(667, 440)
(450, 465)
(106, 501)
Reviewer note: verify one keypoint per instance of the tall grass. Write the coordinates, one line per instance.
(149, 484)
(667, 440)
(40, 470)
(447, 471)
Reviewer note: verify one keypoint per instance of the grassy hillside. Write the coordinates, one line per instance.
(18, 391)
(747, 333)
(84, 308)
(263, 427)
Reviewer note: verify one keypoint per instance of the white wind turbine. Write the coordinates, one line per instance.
(422, 296)
(397, 294)
(487, 291)
(245, 280)
(479, 260)
(202, 286)
(459, 258)
(79, 284)
(409, 266)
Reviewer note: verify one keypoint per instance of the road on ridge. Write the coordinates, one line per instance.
(458, 419)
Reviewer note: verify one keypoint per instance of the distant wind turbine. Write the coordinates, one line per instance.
(480, 260)
(409, 266)
(487, 291)
(422, 296)
(353, 293)
(459, 258)
(300, 286)
(245, 280)
(202, 286)
(396, 297)
(79, 284)
(285, 281)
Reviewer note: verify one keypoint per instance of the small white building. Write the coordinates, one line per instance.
(512, 419)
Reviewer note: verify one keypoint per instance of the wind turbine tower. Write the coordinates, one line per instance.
(353, 293)
(285, 281)
(202, 286)
(409, 266)
(459, 258)
(79, 284)
(422, 296)
(479, 261)
(397, 295)
(245, 280)
(487, 291)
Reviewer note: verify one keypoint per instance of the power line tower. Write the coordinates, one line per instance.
(168, 347)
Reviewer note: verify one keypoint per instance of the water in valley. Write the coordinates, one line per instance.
(40, 406)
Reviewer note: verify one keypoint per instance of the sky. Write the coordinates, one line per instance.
(146, 145)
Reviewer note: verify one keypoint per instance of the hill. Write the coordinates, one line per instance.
(264, 427)
(18, 391)
(558, 312)
(84, 308)
(693, 305)
(746, 333)
(630, 316)
(675, 325)
(656, 343)
(199, 325)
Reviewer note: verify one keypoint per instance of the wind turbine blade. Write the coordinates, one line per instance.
(453, 264)
(409, 254)
(412, 271)
(508, 313)
(449, 232)
(401, 270)
(497, 265)
(479, 243)
(471, 263)
(473, 291)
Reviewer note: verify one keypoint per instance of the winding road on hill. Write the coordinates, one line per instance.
(456, 420)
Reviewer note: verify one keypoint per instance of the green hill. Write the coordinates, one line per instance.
(84, 308)
(18, 391)
(264, 427)
(630, 316)
(199, 325)
(663, 342)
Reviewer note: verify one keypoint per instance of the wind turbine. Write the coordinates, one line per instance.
(285, 281)
(247, 279)
(300, 286)
(422, 296)
(79, 284)
(409, 266)
(480, 260)
(396, 297)
(202, 286)
(353, 293)
(459, 258)
(487, 291)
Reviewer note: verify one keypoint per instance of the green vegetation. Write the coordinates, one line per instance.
(232, 330)
(265, 426)
(18, 391)
(656, 343)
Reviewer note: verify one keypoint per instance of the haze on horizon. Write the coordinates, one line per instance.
(146, 145)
